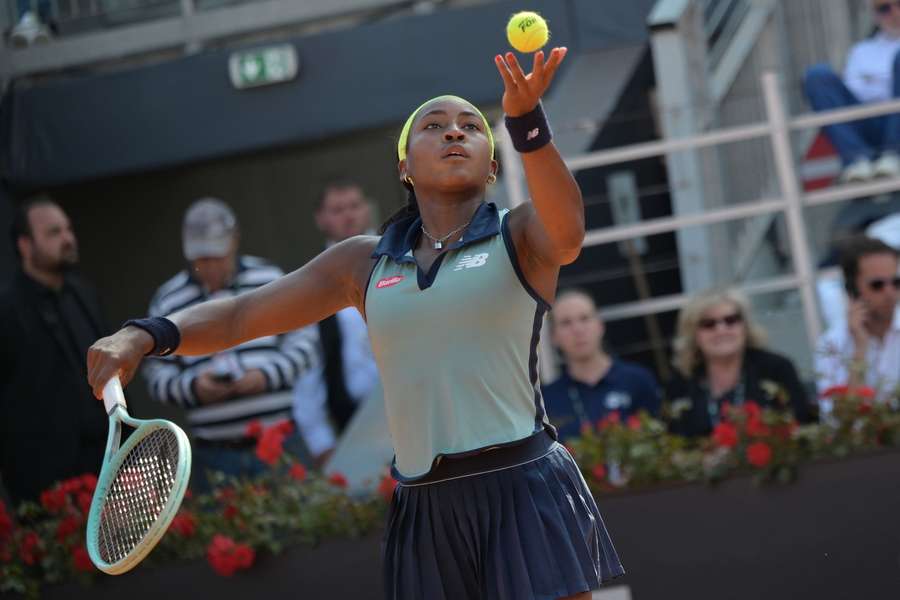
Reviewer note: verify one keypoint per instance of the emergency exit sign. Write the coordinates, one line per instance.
(263, 66)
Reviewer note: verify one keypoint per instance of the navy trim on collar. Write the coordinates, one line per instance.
(401, 237)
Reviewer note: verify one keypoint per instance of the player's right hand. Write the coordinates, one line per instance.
(118, 354)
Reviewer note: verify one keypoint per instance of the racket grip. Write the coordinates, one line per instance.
(113, 395)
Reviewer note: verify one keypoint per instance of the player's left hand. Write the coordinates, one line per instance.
(522, 92)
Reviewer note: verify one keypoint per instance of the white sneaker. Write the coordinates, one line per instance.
(859, 170)
(888, 165)
(29, 30)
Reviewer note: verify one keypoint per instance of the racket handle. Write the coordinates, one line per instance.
(113, 395)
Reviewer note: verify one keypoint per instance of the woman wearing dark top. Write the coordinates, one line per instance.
(719, 358)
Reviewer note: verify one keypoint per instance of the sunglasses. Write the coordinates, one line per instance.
(876, 285)
(885, 7)
(727, 321)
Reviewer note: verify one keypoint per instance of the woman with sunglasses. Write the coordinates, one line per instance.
(868, 147)
(719, 358)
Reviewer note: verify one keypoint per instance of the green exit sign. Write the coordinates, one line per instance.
(263, 66)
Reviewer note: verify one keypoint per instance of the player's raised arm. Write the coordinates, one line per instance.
(553, 224)
(333, 280)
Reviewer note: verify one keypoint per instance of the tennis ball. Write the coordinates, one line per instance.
(527, 31)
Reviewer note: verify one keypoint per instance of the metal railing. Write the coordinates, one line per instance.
(790, 203)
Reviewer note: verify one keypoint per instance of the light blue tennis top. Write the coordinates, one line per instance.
(456, 347)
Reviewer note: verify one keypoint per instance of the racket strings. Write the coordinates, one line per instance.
(138, 494)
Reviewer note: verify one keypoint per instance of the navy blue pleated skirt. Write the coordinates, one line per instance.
(526, 532)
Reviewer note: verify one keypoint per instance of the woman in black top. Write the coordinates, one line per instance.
(719, 358)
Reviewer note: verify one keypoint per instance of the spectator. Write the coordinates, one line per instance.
(865, 350)
(222, 393)
(719, 358)
(593, 383)
(33, 15)
(326, 398)
(51, 427)
(868, 147)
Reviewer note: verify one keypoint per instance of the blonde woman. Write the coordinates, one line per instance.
(719, 358)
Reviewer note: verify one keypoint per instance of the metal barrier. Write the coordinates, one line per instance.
(791, 201)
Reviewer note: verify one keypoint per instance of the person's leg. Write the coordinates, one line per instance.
(825, 90)
(891, 131)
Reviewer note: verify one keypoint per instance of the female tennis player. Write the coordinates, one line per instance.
(489, 505)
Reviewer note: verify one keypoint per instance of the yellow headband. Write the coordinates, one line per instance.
(404, 133)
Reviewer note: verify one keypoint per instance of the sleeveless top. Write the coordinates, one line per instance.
(456, 347)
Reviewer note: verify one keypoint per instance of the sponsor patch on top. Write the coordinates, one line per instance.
(388, 281)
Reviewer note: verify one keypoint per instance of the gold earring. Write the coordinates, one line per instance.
(492, 179)
(409, 180)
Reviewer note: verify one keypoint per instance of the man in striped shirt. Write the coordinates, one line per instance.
(222, 393)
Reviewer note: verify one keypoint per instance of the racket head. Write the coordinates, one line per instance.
(139, 492)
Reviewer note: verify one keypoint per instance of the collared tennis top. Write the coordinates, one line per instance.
(456, 346)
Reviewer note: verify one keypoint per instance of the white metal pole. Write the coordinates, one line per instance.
(790, 189)
(513, 174)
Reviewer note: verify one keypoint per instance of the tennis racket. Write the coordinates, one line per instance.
(140, 487)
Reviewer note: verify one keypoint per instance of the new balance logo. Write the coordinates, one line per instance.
(532, 134)
(470, 261)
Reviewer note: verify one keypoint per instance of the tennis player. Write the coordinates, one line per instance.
(489, 505)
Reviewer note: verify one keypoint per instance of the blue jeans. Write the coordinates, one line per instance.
(41, 8)
(236, 462)
(866, 138)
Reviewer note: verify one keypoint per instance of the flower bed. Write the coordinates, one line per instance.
(290, 507)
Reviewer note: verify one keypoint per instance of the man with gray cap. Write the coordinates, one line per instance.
(222, 393)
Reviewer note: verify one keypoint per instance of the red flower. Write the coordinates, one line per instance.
(759, 454)
(865, 392)
(753, 411)
(297, 472)
(83, 501)
(184, 524)
(81, 560)
(270, 446)
(599, 471)
(254, 429)
(230, 511)
(864, 408)
(89, 482)
(862, 391)
(634, 423)
(756, 428)
(226, 557)
(337, 479)
(67, 527)
(613, 418)
(285, 427)
(70, 486)
(725, 435)
(54, 500)
(835, 390)
(29, 549)
(243, 556)
(6, 524)
(386, 487)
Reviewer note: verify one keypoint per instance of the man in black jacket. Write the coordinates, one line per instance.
(51, 427)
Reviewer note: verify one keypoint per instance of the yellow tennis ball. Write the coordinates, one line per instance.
(527, 31)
